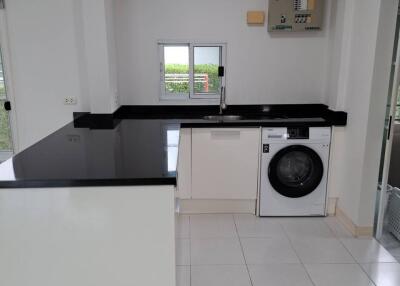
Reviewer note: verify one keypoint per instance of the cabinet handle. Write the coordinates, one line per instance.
(225, 132)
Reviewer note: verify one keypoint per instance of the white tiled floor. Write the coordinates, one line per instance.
(216, 251)
(367, 250)
(279, 274)
(230, 250)
(268, 250)
(391, 243)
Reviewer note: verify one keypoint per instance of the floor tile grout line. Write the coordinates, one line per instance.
(336, 234)
(298, 256)
(348, 250)
(330, 228)
(369, 277)
(290, 242)
(341, 242)
(241, 247)
(392, 245)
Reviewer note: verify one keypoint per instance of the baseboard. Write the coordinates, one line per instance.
(192, 206)
(354, 229)
(331, 206)
(217, 206)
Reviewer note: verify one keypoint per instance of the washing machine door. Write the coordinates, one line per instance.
(295, 171)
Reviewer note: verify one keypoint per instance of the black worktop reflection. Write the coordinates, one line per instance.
(134, 152)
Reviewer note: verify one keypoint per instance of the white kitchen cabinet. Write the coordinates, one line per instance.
(88, 236)
(184, 179)
(225, 163)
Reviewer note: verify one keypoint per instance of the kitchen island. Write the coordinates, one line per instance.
(91, 207)
(94, 202)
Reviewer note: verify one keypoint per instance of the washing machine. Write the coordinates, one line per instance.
(294, 171)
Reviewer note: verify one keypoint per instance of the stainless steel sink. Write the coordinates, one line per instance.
(223, 117)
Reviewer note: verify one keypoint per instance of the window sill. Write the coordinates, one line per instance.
(190, 101)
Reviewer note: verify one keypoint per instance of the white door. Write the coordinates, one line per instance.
(6, 104)
(383, 186)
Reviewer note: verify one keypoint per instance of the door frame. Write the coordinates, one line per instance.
(383, 198)
(8, 78)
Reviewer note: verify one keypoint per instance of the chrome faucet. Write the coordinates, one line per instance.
(222, 103)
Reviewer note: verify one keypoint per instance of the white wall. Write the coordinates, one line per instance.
(45, 65)
(366, 53)
(60, 48)
(338, 42)
(261, 68)
(99, 47)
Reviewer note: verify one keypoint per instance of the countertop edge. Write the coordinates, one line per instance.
(110, 121)
(35, 184)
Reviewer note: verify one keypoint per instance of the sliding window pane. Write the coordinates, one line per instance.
(206, 63)
(176, 69)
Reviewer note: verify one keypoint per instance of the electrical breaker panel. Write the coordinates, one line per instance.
(295, 15)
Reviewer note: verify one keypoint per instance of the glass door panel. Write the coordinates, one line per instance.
(383, 186)
(6, 149)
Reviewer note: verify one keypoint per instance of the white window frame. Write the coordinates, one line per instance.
(191, 96)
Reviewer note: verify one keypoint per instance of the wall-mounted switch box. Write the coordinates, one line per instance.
(255, 18)
(295, 15)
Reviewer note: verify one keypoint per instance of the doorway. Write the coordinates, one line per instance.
(387, 217)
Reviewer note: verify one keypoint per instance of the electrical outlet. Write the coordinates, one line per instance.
(70, 100)
(116, 100)
(74, 138)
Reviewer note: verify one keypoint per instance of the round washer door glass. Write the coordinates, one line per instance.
(295, 171)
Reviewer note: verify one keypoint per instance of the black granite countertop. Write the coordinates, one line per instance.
(137, 145)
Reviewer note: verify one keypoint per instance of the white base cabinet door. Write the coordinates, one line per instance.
(88, 236)
(225, 163)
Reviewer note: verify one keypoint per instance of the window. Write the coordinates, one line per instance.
(191, 71)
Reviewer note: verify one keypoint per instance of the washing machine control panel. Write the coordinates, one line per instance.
(298, 133)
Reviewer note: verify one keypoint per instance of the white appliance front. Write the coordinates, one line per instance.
(272, 203)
